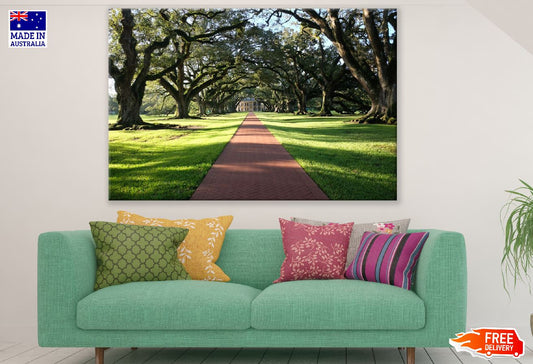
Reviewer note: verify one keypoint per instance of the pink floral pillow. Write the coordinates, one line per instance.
(313, 252)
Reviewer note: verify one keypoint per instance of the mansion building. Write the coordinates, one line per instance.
(250, 104)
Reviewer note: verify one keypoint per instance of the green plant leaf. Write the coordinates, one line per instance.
(525, 184)
(517, 214)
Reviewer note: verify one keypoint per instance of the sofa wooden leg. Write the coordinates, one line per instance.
(99, 355)
(410, 355)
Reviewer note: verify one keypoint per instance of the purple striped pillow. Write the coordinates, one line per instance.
(387, 258)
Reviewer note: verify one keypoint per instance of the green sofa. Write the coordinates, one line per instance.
(249, 311)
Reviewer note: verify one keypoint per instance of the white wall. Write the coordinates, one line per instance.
(512, 16)
(465, 124)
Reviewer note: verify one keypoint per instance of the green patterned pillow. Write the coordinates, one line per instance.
(134, 253)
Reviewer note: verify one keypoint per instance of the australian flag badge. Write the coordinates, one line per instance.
(27, 29)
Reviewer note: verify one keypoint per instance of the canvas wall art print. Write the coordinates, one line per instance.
(252, 104)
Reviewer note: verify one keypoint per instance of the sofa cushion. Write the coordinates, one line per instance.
(200, 249)
(337, 305)
(252, 257)
(128, 253)
(313, 252)
(168, 305)
(387, 258)
(382, 227)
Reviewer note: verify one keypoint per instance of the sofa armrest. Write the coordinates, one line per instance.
(441, 282)
(66, 274)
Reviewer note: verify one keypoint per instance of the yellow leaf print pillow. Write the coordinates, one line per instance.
(200, 250)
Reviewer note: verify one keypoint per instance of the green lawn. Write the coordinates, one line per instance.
(166, 164)
(348, 161)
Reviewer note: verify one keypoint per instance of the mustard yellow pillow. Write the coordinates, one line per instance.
(200, 250)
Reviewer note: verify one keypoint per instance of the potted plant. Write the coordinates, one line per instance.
(517, 258)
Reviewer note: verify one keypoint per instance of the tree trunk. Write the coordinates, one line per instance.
(383, 107)
(302, 102)
(177, 93)
(327, 102)
(130, 100)
(129, 96)
(130, 80)
(201, 106)
(380, 85)
(182, 107)
(219, 109)
(383, 95)
(129, 110)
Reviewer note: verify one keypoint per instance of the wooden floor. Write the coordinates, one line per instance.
(20, 353)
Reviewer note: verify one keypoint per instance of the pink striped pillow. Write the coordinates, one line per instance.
(387, 258)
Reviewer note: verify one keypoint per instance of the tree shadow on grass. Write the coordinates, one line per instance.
(366, 171)
(151, 165)
(349, 175)
(173, 172)
(137, 173)
(357, 133)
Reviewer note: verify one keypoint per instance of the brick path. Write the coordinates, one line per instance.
(255, 166)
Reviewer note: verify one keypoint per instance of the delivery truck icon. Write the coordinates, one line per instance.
(487, 342)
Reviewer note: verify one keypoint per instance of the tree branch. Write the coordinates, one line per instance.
(376, 44)
(304, 21)
(128, 43)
